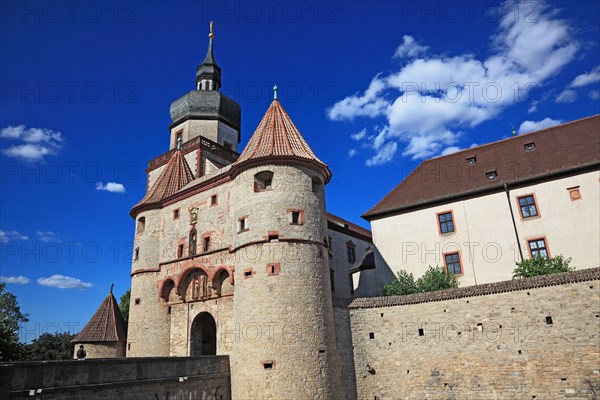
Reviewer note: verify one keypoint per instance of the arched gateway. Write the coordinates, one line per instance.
(203, 335)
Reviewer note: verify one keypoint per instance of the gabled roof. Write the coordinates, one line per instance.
(177, 174)
(341, 225)
(277, 137)
(571, 146)
(106, 325)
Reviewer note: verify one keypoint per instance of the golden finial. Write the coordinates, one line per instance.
(211, 34)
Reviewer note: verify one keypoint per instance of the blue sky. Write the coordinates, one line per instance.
(375, 87)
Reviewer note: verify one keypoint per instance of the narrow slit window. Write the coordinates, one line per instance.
(206, 244)
(176, 214)
(213, 200)
(136, 254)
(180, 251)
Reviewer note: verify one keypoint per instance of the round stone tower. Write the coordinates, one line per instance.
(284, 343)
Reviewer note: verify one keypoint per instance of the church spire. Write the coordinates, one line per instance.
(208, 74)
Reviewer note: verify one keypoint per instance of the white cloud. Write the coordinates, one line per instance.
(366, 105)
(112, 187)
(7, 236)
(450, 150)
(566, 96)
(534, 107)
(431, 100)
(36, 143)
(594, 94)
(352, 153)
(20, 280)
(360, 135)
(409, 48)
(48, 236)
(586, 78)
(384, 154)
(532, 126)
(63, 282)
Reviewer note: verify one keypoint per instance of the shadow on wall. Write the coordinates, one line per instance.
(372, 280)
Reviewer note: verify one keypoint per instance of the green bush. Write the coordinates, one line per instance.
(404, 283)
(541, 266)
(435, 278)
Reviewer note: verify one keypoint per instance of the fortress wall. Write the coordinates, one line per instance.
(187, 378)
(536, 338)
(343, 336)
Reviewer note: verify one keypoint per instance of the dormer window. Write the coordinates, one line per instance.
(491, 175)
(471, 160)
(529, 146)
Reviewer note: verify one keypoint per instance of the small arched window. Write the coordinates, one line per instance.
(263, 181)
(141, 225)
(192, 242)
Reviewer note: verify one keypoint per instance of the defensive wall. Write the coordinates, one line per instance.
(536, 338)
(173, 378)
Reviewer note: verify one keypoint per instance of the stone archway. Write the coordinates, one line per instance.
(203, 335)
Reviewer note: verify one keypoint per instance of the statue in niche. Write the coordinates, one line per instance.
(193, 215)
(200, 287)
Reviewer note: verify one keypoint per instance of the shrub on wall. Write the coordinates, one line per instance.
(541, 266)
(435, 278)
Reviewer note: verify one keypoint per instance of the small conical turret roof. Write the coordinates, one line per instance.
(177, 174)
(276, 137)
(106, 325)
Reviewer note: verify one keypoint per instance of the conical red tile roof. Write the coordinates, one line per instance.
(106, 325)
(277, 137)
(177, 174)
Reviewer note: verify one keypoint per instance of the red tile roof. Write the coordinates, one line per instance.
(106, 325)
(333, 222)
(277, 137)
(177, 174)
(570, 146)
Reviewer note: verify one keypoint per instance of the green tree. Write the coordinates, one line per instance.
(124, 306)
(403, 283)
(435, 278)
(541, 266)
(10, 317)
(49, 346)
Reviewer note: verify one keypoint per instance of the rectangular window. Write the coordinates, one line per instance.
(176, 214)
(180, 251)
(206, 244)
(351, 253)
(351, 283)
(136, 254)
(452, 261)
(242, 225)
(527, 206)
(538, 248)
(445, 222)
(296, 217)
(213, 200)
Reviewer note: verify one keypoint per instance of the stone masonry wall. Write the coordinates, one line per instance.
(536, 338)
(190, 378)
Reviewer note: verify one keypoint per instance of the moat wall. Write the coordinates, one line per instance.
(537, 338)
(198, 378)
